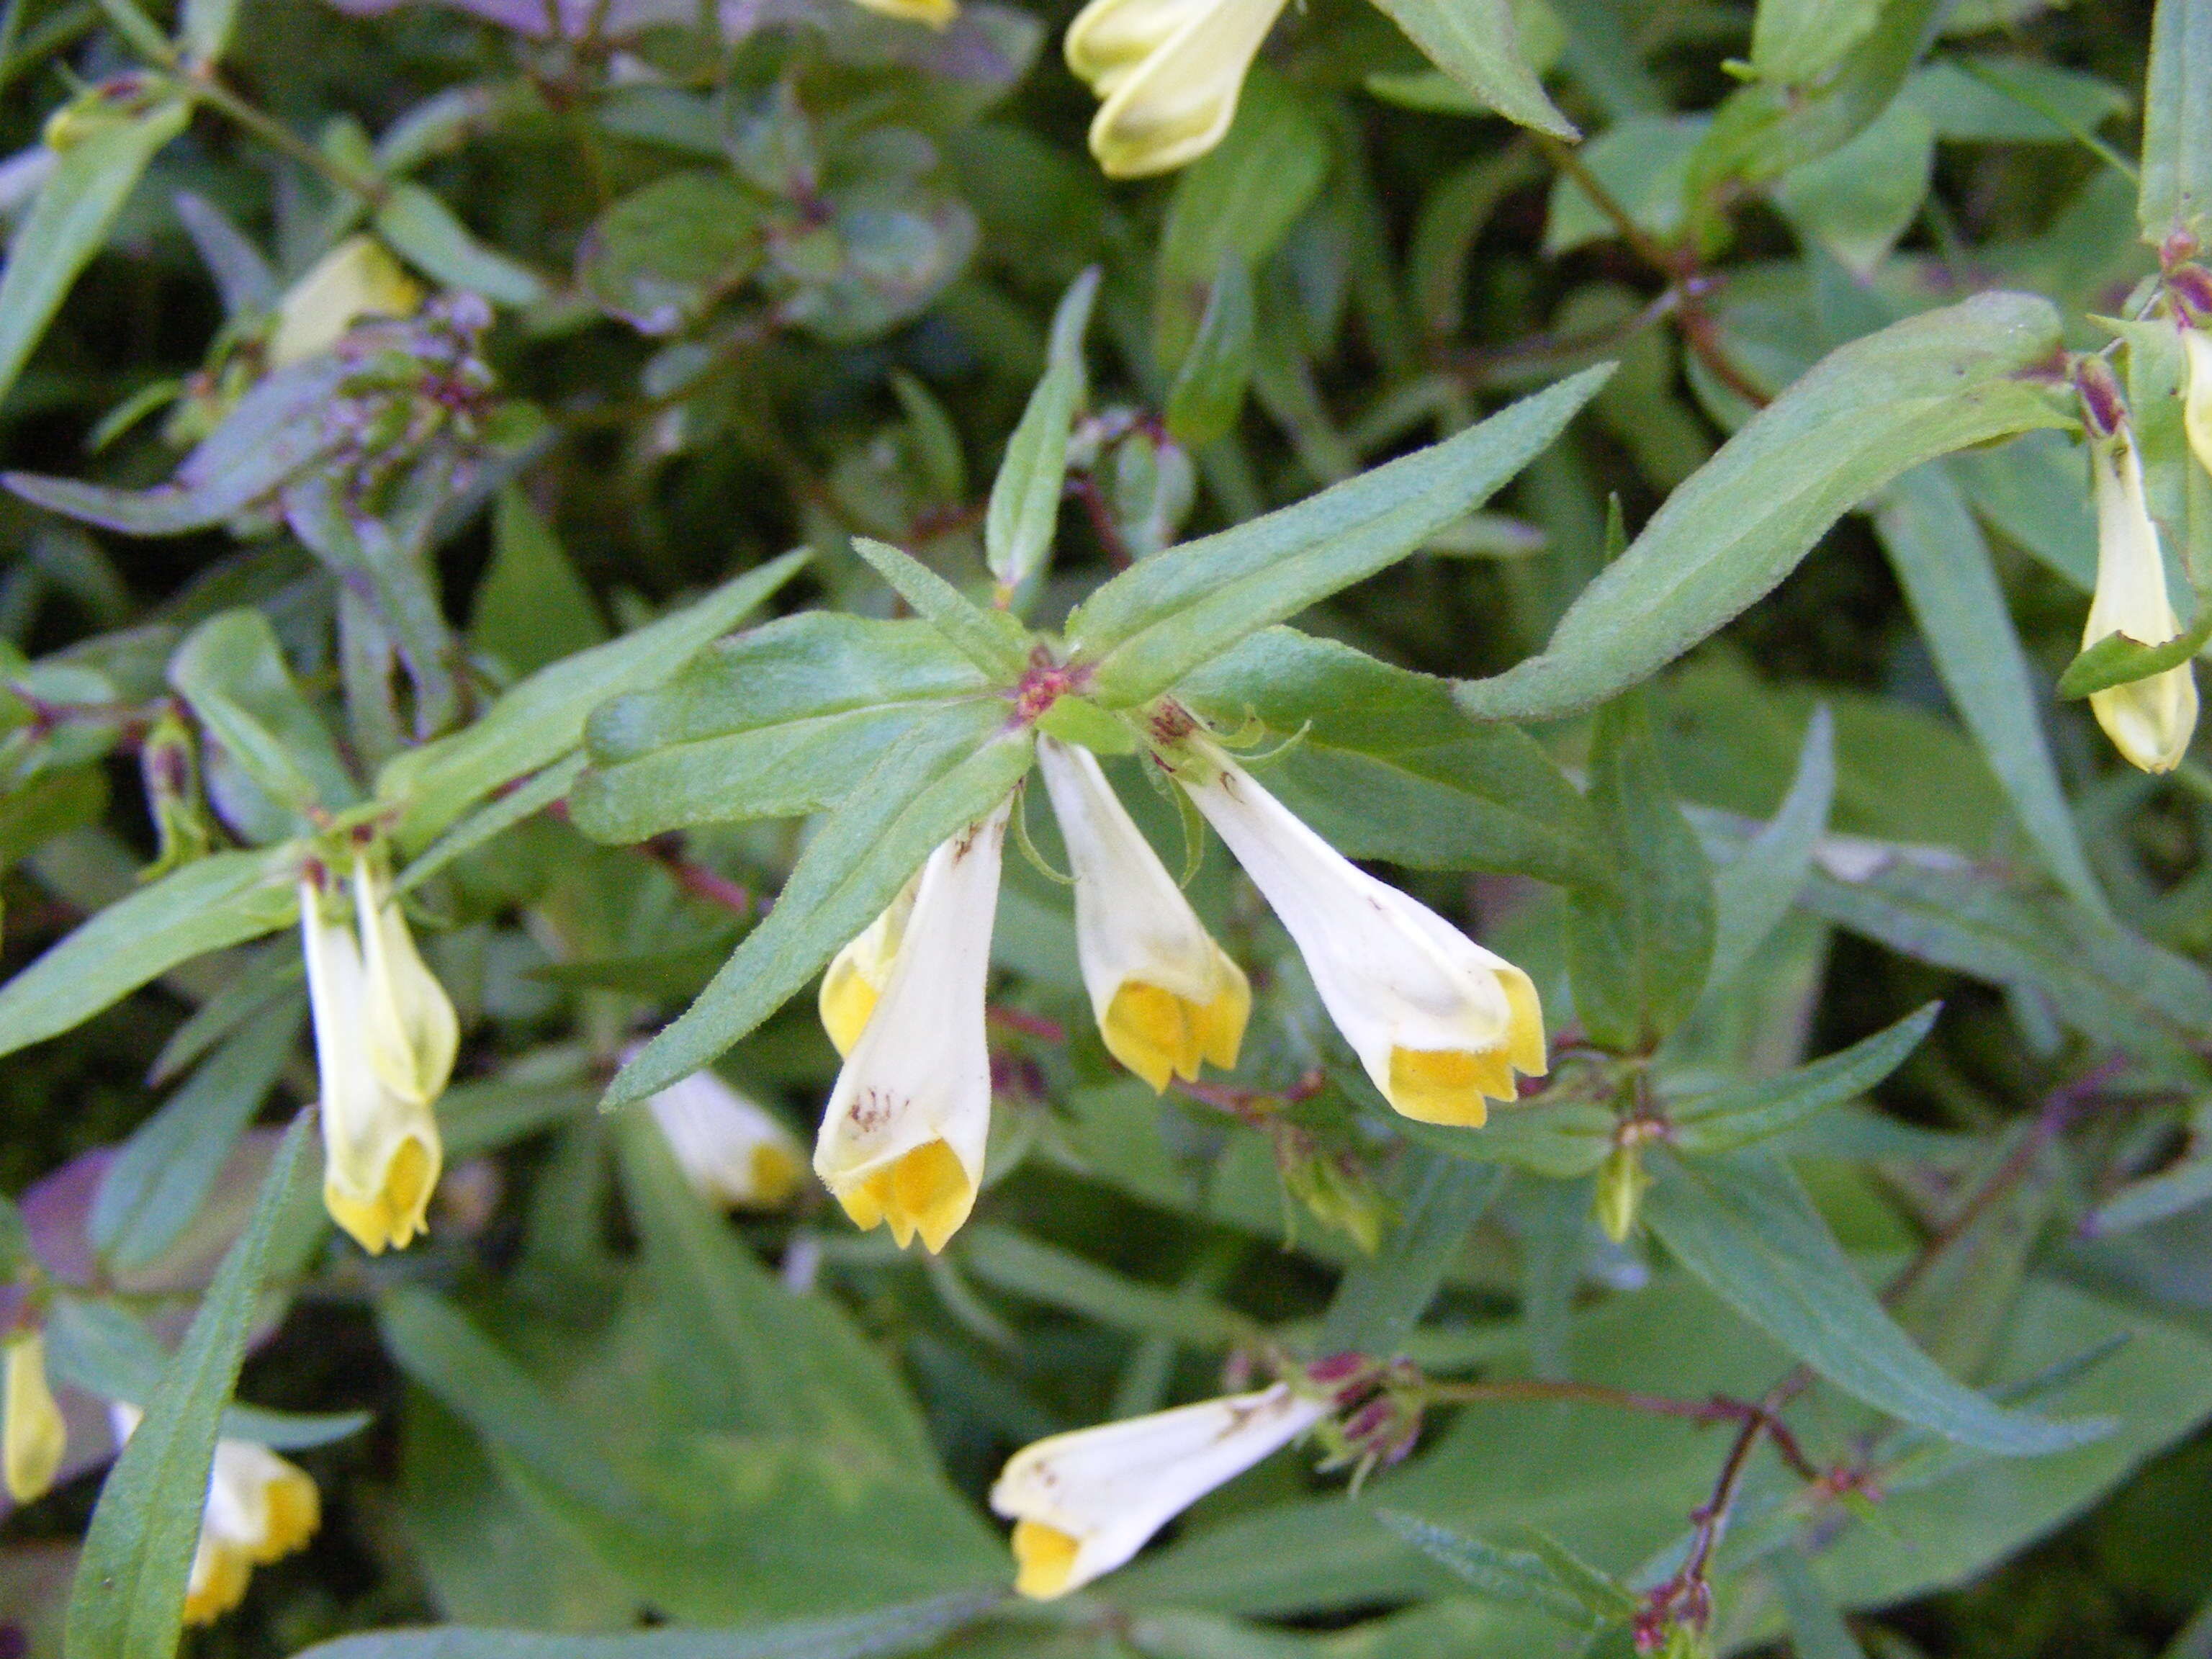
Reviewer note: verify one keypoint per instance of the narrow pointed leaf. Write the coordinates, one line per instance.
(1743, 1224)
(1878, 407)
(992, 639)
(2176, 190)
(130, 1595)
(1152, 624)
(1730, 1118)
(1024, 507)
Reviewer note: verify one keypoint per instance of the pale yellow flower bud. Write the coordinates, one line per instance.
(904, 1136)
(259, 1508)
(354, 280)
(2149, 721)
(1171, 72)
(1440, 1024)
(1165, 995)
(34, 1436)
(1083, 1503)
(386, 1036)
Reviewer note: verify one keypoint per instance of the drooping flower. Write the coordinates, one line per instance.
(259, 1508)
(856, 975)
(1440, 1024)
(34, 1436)
(354, 280)
(2149, 721)
(1165, 995)
(1170, 71)
(1083, 1503)
(731, 1150)
(903, 1138)
(386, 1036)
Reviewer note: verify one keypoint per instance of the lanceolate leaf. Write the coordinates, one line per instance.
(1730, 1118)
(542, 718)
(781, 721)
(1943, 565)
(992, 639)
(1873, 410)
(1152, 624)
(130, 1595)
(1477, 44)
(224, 899)
(66, 226)
(2177, 152)
(1512, 1576)
(1743, 1224)
(1025, 506)
(950, 770)
(1755, 888)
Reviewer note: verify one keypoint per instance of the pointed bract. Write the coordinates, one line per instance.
(2150, 720)
(904, 1135)
(1166, 996)
(1440, 1024)
(1083, 1503)
(32, 1436)
(1171, 72)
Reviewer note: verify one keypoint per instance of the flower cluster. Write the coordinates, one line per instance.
(1441, 1025)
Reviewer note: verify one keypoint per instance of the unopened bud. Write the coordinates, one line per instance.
(2102, 406)
(1338, 1192)
(34, 1436)
(1620, 1184)
(169, 764)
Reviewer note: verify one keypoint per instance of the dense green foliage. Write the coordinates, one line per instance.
(579, 582)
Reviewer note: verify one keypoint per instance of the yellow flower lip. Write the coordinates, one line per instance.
(1160, 1035)
(1045, 1560)
(396, 1212)
(925, 1191)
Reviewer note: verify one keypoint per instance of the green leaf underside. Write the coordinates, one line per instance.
(542, 718)
(1154, 624)
(226, 899)
(954, 766)
(1876, 408)
(2116, 661)
(1743, 1225)
(130, 1595)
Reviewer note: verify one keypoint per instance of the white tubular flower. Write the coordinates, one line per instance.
(2196, 402)
(356, 279)
(856, 975)
(385, 1041)
(34, 1436)
(730, 1149)
(1440, 1024)
(904, 1135)
(1083, 1503)
(259, 1508)
(937, 14)
(1164, 994)
(1170, 71)
(2149, 721)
